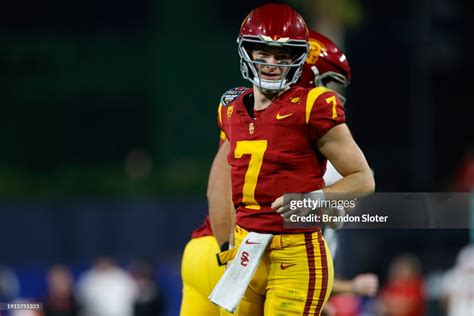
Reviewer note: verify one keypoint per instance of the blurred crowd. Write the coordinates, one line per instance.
(108, 289)
(104, 289)
(407, 291)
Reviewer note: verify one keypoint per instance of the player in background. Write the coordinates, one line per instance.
(458, 285)
(327, 64)
(199, 269)
(278, 138)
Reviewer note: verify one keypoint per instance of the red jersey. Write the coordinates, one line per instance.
(276, 151)
(404, 297)
(203, 230)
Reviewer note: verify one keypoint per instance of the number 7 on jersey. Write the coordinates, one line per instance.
(256, 150)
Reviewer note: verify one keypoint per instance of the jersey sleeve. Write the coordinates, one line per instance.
(221, 125)
(222, 138)
(324, 110)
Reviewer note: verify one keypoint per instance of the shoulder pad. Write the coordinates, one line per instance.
(232, 95)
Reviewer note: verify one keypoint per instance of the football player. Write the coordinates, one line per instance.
(199, 269)
(325, 63)
(278, 138)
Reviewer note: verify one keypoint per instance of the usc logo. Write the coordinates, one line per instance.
(251, 128)
(315, 48)
(244, 260)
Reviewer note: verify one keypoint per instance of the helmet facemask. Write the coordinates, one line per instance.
(251, 69)
(327, 77)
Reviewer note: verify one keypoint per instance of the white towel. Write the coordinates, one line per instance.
(231, 287)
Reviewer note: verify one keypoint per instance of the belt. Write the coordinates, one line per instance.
(277, 242)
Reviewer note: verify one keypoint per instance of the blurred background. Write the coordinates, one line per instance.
(108, 130)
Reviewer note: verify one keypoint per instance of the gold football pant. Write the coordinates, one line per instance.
(294, 277)
(200, 273)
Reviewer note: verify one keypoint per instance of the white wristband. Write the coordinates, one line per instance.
(316, 195)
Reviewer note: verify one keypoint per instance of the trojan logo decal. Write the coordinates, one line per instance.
(315, 49)
(244, 260)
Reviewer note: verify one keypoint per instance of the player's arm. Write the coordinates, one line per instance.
(338, 146)
(325, 116)
(219, 196)
(363, 284)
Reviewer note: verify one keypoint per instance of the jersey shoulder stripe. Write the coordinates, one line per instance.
(313, 95)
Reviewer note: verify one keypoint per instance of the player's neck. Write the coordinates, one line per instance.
(264, 100)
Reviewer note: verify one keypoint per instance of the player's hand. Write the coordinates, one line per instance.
(283, 205)
(287, 205)
(328, 310)
(365, 284)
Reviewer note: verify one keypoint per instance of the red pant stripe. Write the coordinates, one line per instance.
(312, 272)
(324, 282)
